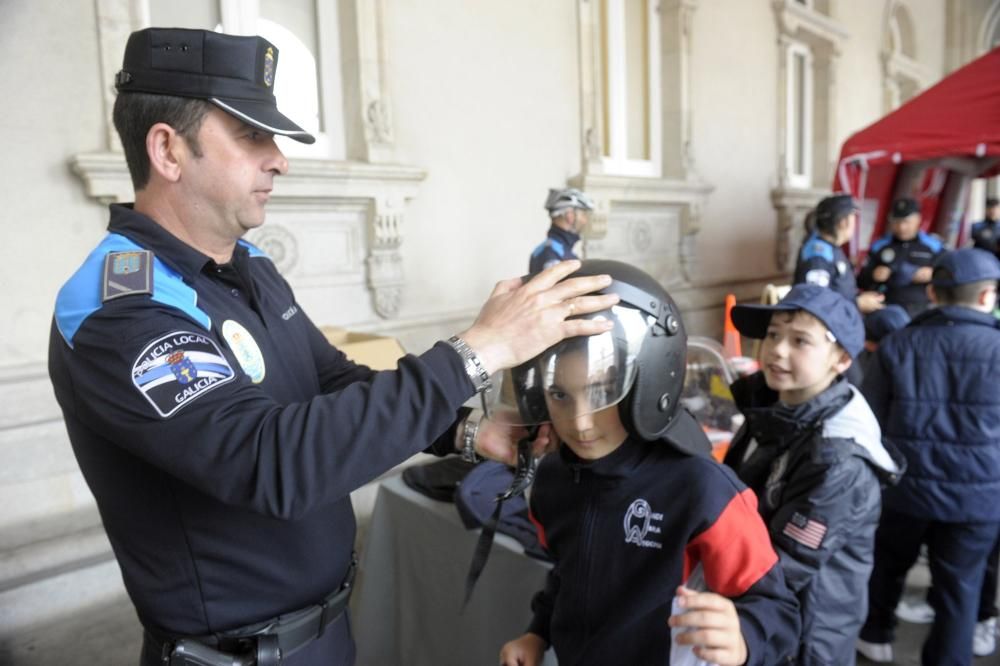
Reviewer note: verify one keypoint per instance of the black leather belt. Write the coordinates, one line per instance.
(260, 644)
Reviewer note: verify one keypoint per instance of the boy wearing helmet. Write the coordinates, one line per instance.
(569, 209)
(632, 506)
(811, 449)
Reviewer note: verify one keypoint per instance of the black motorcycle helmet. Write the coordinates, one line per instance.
(638, 365)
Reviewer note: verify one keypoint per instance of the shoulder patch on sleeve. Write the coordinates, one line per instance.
(805, 531)
(127, 273)
(818, 276)
(175, 369)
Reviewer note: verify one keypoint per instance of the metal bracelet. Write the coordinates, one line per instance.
(469, 432)
(473, 366)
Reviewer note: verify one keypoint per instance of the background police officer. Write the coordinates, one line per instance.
(569, 209)
(984, 234)
(899, 264)
(821, 260)
(220, 433)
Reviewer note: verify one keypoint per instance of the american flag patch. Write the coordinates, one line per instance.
(804, 530)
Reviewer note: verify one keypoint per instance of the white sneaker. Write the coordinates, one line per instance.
(915, 612)
(880, 653)
(984, 637)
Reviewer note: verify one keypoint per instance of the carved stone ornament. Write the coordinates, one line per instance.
(378, 127)
(279, 244)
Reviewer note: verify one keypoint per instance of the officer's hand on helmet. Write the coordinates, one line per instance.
(870, 301)
(881, 273)
(714, 627)
(527, 650)
(923, 274)
(522, 319)
(498, 441)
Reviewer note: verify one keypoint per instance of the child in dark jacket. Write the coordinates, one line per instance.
(810, 448)
(934, 390)
(632, 506)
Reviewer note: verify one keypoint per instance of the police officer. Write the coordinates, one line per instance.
(821, 260)
(569, 209)
(218, 430)
(984, 234)
(899, 264)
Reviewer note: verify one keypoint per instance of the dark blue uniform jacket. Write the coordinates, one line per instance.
(823, 263)
(626, 530)
(984, 235)
(817, 468)
(221, 434)
(557, 247)
(934, 390)
(903, 258)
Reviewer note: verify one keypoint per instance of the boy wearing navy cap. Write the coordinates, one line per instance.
(899, 264)
(811, 449)
(933, 390)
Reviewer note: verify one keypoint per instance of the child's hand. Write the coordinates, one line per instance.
(524, 651)
(713, 627)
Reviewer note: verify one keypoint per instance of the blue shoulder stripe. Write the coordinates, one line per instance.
(253, 249)
(80, 297)
(817, 247)
(880, 243)
(551, 242)
(930, 241)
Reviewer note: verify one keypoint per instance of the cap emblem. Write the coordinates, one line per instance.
(269, 67)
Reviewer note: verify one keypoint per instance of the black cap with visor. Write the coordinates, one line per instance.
(234, 73)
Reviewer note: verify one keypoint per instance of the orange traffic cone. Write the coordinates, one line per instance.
(731, 343)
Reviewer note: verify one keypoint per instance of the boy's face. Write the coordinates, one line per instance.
(798, 358)
(570, 398)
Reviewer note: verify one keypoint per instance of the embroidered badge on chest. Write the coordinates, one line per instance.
(246, 350)
(175, 369)
(639, 525)
(887, 255)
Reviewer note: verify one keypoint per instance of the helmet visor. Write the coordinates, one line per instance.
(575, 377)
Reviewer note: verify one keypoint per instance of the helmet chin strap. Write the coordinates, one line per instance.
(524, 474)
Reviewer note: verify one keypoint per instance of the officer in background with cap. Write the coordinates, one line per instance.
(899, 264)
(822, 261)
(984, 234)
(933, 390)
(218, 430)
(569, 209)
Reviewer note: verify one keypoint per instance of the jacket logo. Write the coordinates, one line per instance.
(289, 313)
(639, 524)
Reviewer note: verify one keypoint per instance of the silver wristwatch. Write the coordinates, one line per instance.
(469, 432)
(473, 366)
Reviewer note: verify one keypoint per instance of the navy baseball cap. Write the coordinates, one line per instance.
(839, 315)
(881, 323)
(232, 72)
(964, 266)
(831, 209)
(904, 208)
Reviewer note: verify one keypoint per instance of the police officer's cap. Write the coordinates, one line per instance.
(831, 209)
(963, 266)
(232, 72)
(838, 314)
(992, 201)
(904, 208)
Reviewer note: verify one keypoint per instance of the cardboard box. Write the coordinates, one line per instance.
(378, 352)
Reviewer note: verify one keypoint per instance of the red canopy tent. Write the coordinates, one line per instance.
(930, 148)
